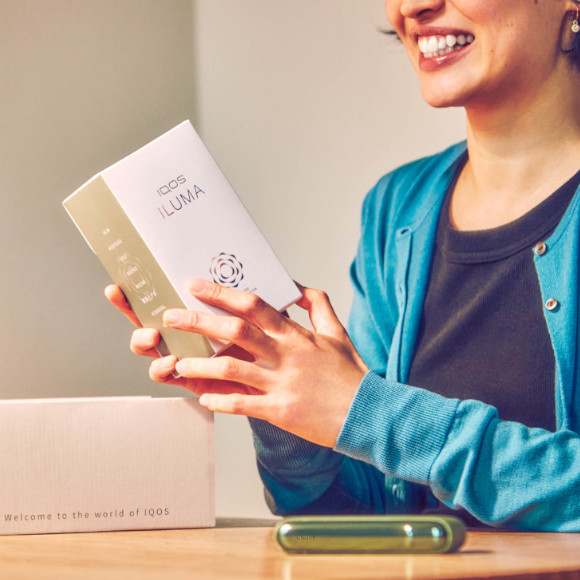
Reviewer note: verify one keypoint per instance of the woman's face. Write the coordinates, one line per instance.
(480, 52)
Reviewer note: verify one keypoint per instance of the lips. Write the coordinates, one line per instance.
(440, 45)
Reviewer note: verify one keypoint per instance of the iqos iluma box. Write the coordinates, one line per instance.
(166, 214)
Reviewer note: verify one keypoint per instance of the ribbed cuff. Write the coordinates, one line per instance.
(282, 451)
(397, 428)
(294, 471)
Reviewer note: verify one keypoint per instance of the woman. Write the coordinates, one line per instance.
(466, 288)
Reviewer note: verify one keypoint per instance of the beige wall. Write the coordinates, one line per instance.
(303, 103)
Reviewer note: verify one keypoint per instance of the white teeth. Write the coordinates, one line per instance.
(432, 46)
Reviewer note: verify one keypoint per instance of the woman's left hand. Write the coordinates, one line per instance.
(301, 381)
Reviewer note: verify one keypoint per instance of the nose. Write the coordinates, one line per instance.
(419, 8)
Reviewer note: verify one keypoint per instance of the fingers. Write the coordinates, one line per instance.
(321, 312)
(196, 375)
(243, 304)
(229, 328)
(225, 368)
(236, 404)
(116, 297)
(162, 370)
(144, 341)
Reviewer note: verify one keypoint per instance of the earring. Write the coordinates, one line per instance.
(575, 25)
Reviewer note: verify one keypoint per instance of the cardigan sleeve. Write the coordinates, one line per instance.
(503, 473)
(300, 477)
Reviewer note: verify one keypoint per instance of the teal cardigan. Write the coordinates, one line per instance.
(403, 448)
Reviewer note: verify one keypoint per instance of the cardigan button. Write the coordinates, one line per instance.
(540, 249)
(551, 303)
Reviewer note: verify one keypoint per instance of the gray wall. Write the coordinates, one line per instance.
(304, 104)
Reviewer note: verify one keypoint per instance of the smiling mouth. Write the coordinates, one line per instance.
(434, 46)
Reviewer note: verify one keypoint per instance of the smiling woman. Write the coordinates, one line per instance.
(456, 386)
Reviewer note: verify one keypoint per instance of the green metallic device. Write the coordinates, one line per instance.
(369, 534)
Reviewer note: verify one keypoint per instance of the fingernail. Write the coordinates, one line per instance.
(171, 317)
(181, 366)
(197, 286)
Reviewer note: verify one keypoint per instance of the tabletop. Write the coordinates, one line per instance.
(245, 549)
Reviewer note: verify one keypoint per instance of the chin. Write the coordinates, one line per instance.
(439, 102)
(443, 97)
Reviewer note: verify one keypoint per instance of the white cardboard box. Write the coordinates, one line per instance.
(88, 465)
(166, 214)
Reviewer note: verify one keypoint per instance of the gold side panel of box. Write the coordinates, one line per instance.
(131, 265)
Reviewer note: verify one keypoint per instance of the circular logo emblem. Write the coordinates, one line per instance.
(137, 278)
(227, 270)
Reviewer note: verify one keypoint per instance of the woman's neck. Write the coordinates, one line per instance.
(519, 154)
